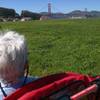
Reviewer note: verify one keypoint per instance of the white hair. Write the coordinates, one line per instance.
(13, 55)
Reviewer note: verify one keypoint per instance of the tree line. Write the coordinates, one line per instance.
(11, 13)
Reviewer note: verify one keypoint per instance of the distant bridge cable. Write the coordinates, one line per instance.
(53, 8)
(56, 9)
(41, 9)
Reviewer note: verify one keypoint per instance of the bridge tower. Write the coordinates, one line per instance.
(49, 8)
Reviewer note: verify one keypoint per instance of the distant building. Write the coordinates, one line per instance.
(53, 16)
(44, 17)
(26, 19)
(77, 17)
(16, 19)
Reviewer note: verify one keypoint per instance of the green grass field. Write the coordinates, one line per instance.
(61, 45)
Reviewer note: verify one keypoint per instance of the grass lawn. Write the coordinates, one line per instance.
(61, 45)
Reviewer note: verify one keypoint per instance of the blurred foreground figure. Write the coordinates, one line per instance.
(13, 63)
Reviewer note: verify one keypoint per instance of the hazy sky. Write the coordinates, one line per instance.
(57, 5)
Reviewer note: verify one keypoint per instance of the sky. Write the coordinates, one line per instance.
(64, 6)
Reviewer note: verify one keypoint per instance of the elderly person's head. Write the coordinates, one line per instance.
(13, 56)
